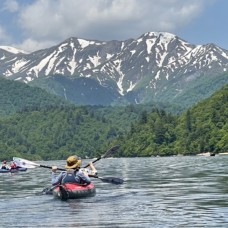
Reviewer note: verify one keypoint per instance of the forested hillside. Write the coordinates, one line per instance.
(203, 128)
(55, 132)
(17, 96)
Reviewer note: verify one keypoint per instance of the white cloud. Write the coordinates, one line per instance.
(30, 45)
(3, 35)
(56, 20)
(11, 6)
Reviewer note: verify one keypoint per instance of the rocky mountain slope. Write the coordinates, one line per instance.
(157, 66)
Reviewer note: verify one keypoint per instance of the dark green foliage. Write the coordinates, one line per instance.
(46, 128)
(57, 132)
(191, 91)
(151, 137)
(17, 96)
(206, 125)
(203, 128)
(77, 90)
(54, 133)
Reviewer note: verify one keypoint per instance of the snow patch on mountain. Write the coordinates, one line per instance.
(109, 56)
(85, 43)
(149, 44)
(13, 50)
(131, 87)
(16, 67)
(50, 61)
(72, 64)
(95, 60)
(36, 69)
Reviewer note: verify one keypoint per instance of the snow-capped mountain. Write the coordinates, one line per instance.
(6, 51)
(157, 66)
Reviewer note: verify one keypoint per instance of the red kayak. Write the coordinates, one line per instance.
(74, 191)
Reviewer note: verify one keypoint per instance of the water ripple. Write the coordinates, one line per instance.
(157, 192)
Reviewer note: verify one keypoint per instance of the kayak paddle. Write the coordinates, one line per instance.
(64, 195)
(114, 180)
(29, 164)
(108, 153)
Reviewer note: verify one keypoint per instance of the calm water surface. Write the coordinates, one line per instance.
(158, 192)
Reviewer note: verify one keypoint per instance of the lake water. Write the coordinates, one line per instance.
(157, 192)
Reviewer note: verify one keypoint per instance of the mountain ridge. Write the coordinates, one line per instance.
(138, 70)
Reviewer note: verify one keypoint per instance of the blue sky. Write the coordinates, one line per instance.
(35, 24)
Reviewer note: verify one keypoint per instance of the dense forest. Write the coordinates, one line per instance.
(56, 132)
(17, 96)
(44, 127)
(202, 128)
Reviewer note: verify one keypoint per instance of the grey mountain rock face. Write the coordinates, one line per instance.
(154, 67)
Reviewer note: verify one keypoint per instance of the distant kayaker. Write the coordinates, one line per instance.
(13, 165)
(4, 165)
(73, 174)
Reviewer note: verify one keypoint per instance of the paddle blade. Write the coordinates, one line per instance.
(25, 163)
(108, 153)
(111, 151)
(64, 195)
(45, 191)
(112, 180)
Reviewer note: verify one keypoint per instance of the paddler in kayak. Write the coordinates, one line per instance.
(13, 165)
(73, 174)
(4, 165)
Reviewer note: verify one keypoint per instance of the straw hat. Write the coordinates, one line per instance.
(73, 162)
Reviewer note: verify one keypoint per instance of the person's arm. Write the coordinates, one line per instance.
(89, 171)
(55, 177)
(93, 169)
(82, 176)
